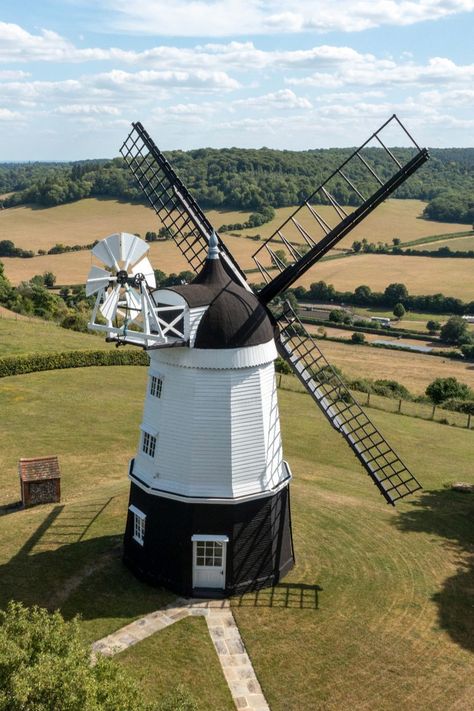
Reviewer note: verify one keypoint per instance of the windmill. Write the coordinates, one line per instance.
(209, 509)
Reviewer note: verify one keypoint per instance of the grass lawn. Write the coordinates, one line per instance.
(392, 622)
(180, 654)
(20, 335)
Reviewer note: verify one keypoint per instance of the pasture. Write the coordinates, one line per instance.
(84, 221)
(376, 613)
(421, 275)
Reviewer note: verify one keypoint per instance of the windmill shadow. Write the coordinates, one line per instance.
(449, 514)
(59, 566)
(295, 596)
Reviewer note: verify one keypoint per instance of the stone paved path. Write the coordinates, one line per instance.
(235, 662)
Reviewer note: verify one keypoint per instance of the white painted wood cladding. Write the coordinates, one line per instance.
(219, 431)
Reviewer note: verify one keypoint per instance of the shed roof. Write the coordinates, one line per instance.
(39, 468)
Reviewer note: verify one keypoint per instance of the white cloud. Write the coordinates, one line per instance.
(78, 109)
(7, 115)
(281, 99)
(220, 18)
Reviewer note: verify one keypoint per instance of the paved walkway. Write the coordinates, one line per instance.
(236, 665)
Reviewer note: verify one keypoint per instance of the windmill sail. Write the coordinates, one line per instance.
(333, 397)
(309, 233)
(174, 205)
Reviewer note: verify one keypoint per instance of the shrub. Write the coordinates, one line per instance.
(45, 665)
(281, 366)
(443, 389)
(18, 365)
(358, 338)
(391, 388)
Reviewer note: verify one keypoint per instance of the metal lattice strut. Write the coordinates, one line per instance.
(174, 205)
(332, 396)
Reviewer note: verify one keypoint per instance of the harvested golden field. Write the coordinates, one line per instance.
(394, 218)
(414, 370)
(421, 275)
(458, 243)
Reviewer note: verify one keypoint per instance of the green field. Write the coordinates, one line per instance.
(463, 244)
(21, 336)
(377, 613)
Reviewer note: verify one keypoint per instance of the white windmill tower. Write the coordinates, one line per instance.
(209, 509)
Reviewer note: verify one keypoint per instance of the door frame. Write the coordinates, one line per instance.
(210, 538)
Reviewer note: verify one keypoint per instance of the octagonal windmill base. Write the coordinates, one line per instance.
(208, 549)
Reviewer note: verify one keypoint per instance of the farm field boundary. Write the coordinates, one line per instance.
(20, 365)
(397, 406)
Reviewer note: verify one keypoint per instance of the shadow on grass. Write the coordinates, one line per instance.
(287, 595)
(60, 567)
(450, 514)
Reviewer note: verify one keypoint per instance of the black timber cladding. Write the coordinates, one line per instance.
(259, 552)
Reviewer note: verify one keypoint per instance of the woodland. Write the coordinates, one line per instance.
(249, 179)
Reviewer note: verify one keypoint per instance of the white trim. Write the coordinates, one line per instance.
(210, 537)
(139, 523)
(210, 499)
(136, 511)
(216, 358)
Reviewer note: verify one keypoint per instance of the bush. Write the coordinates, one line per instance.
(454, 331)
(18, 365)
(464, 406)
(45, 665)
(391, 388)
(443, 389)
(468, 351)
(281, 366)
(358, 338)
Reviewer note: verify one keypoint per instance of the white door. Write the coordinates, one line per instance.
(209, 564)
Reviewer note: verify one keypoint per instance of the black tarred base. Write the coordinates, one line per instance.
(259, 552)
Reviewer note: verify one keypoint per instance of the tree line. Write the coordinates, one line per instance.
(250, 179)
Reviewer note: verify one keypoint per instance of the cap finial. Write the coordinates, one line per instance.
(213, 247)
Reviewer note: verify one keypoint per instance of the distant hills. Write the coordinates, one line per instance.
(248, 179)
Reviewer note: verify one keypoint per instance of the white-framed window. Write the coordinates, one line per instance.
(156, 386)
(139, 520)
(149, 444)
(209, 553)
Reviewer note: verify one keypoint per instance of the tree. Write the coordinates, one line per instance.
(396, 241)
(443, 389)
(49, 279)
(45, 665)
(358, 337)
(396, 293)
(337, 315)
(433, 326)
(455, 331)
(399, 311)
(357, 246)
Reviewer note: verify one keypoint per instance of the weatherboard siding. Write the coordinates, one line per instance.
(218, 433)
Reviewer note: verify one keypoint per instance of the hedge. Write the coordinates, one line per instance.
(18, 365)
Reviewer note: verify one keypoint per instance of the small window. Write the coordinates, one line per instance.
(156, 386)
(209, 554)
(149, 444)
(139, 519)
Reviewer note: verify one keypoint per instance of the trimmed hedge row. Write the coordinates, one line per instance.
(18, 365)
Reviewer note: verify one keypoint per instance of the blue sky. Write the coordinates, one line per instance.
(292, 74)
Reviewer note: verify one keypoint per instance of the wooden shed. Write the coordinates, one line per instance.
(39, 480)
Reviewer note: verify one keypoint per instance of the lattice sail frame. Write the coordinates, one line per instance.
(174, 205)
(310, 232)
(333, 397)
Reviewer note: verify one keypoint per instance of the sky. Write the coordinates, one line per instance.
(287, 74)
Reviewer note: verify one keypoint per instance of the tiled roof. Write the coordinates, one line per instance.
(38, 468)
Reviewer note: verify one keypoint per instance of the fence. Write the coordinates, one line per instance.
(397, 406)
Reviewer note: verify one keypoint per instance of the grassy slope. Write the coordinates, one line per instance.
(393, 623)
(21, 336)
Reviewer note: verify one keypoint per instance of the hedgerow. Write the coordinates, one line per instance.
(19, 365)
